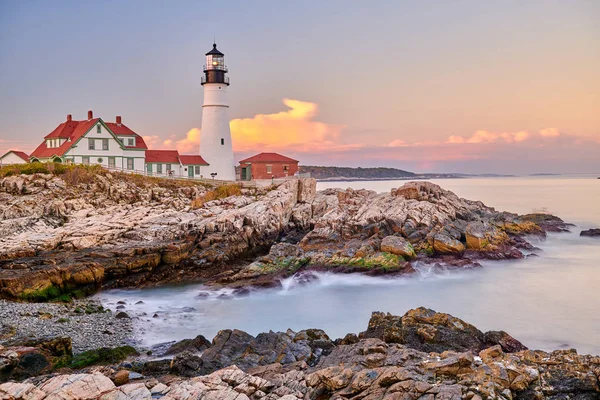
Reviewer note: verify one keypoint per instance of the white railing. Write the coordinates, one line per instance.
(214, 182)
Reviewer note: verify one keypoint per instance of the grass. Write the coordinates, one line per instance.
(76, 174)
(220, 192)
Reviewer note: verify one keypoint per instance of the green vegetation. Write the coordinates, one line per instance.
(76, 174)
(287, 264)
(220, 192)
(56, 294)
(102, 356)
(40, 295)
(383, 260)
(62, 320)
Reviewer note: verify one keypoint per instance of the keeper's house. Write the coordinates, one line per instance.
(93, 141)
(110, 144)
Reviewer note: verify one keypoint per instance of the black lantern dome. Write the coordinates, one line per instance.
(215, 68)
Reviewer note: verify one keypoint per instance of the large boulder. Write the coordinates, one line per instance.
(443, 243)
(426, 330)
(398, 246)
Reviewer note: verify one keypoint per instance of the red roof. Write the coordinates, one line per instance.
(70, 129)
(192, 160)
(74, 130)
(268, 157)
(119, 129)
(162, 156)
(139, 143)
(20, 154)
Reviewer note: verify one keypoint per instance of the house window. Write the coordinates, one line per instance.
(111, 162)
(197, 170)
(286, 168)
(168, 167)
(130, 163)
(104, 144)
(222, 142)
(159, 168)
(269, 169)
(130, 142)
(91, 144)
(98, 129)
(85, 160)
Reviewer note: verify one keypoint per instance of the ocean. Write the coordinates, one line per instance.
(547, 302)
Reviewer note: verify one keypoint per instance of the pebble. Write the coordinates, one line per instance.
(87, 331)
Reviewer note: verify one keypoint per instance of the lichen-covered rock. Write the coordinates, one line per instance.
(398, 246)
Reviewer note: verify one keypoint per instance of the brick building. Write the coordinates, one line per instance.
(267, 166)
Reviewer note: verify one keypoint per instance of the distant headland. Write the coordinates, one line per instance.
(322, 173)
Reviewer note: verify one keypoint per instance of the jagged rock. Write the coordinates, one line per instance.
(199, 343)
(426, 330)
(368, 368)
(398, 246)
(56, 238)
(239, 348)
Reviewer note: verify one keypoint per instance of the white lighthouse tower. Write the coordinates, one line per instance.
(215, 136)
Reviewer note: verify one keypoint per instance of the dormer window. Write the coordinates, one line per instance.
(98, 128)
(130, 142)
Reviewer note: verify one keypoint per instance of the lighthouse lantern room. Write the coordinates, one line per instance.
(215, 136)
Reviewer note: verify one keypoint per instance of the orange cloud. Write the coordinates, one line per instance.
(549, 132)
(291, 129)
(189, 144)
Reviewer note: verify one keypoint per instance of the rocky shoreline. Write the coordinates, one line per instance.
(421, 355)
(60, 239)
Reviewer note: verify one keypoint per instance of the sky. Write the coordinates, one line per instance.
(447, 86)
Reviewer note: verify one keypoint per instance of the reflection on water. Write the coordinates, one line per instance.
(547, 302)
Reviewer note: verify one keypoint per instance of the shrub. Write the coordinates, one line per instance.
(220, 192)
(79, 175)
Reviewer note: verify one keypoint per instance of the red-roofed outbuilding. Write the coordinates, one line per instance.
(267, 166)
(14, 157)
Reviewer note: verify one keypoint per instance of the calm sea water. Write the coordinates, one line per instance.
(548, 302)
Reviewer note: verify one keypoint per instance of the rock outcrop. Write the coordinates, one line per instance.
(367, 368)
(594, 232)
(426, 330)
(60, 238)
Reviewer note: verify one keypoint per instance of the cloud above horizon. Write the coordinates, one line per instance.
(297, 132)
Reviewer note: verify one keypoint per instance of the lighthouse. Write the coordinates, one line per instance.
(215, 136)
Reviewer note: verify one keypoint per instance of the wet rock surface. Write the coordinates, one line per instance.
(288, 365)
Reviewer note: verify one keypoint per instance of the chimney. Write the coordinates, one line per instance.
(69, 117)
(90, 114)
(118, 120)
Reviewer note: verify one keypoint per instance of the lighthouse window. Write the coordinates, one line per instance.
(98, 129)
(222, 142)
